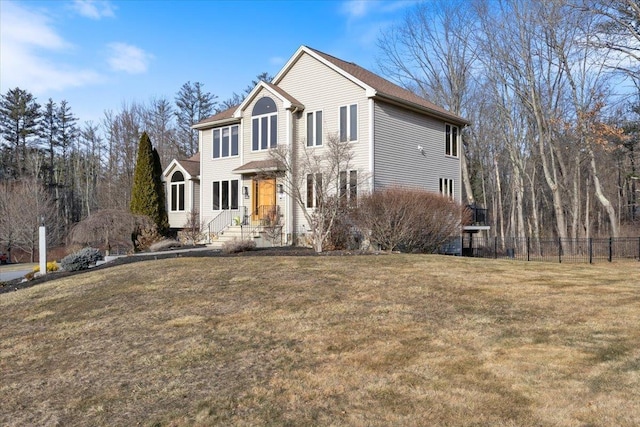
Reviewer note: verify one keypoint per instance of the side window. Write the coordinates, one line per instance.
(314, 190)
(451, 140)
(349, 123)
(225, 142)
(177, 192)
(225, 195)
(314, 128)
(446, 187)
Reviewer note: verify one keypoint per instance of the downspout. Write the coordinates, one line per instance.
(288, 202)
(371, 143)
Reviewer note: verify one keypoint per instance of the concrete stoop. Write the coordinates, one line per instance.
(235, 232)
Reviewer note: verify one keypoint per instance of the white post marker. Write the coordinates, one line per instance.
(43, 248)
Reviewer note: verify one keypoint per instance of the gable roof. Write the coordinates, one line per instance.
(377, 86)
(191, 165)
(225, 116)
(289, 101)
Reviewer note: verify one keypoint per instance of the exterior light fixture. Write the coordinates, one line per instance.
(245, 192)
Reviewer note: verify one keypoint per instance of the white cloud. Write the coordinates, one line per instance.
(28, 42)
(128, 58)
(94, 9)
(357, 8)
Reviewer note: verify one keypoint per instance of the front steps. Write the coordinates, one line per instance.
(236, 232)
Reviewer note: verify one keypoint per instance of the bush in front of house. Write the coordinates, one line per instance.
(81, 260)
(235, 246)
(410, 220)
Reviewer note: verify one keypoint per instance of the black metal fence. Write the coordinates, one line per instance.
(589, 250)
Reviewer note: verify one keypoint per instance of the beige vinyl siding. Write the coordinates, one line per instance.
(397, 159)
(196, 196)
(319, 87)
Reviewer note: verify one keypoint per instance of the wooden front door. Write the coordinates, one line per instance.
(264, 198)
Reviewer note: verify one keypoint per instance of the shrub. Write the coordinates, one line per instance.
(51, 266)
(411, 220)
(81, 260)
(235, 246)
(344, 233)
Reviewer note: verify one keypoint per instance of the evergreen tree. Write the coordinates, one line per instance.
(147, 197)
(19, 118)
(193, 104)
(163, 223)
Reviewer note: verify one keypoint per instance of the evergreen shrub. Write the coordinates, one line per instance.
(81, 260)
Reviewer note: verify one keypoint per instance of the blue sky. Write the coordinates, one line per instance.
(99, 54)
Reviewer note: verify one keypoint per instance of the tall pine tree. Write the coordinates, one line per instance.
(147, 196)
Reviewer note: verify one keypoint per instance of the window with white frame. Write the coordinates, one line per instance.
(349, 123)
(348, 187)
(314, 128)
(451, 140)
(225, 195)
(177, 192)
(264, 125)
(446, 187)
(314, 189)
(225, 142)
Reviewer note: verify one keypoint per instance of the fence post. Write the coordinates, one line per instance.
(610, 248)
(590, 250)
(528, 248)
(560, 250)
(495, 247)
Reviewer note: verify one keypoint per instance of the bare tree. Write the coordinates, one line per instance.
(193, 227)
(24, 206)
(312, 179)
(431, 52)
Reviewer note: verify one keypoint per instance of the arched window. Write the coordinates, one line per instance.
(264, 124)
(177, 192)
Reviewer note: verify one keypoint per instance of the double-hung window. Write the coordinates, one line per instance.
(225, 142)
(349, 123)
(446, 187)
(264, 125)
(314, 128)
(225, 195)
(348, 187)
(177, 192)
(314, 190)
(451, 140)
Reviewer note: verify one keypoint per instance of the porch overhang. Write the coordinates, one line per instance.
(258, 166)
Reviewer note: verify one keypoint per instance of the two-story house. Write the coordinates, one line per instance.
(397, 139)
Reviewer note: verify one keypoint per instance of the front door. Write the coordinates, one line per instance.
(264, 198)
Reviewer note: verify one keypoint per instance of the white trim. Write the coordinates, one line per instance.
(304, 49)
(217, 123)
(269, 142)
(315, 127)
(221, 129)
(286, 104)
(349, 120)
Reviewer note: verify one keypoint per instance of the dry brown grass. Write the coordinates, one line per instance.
(366, 340)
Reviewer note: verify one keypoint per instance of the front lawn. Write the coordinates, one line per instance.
(352, 340)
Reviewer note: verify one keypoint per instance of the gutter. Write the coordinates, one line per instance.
(421, 109)
(221, 122)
